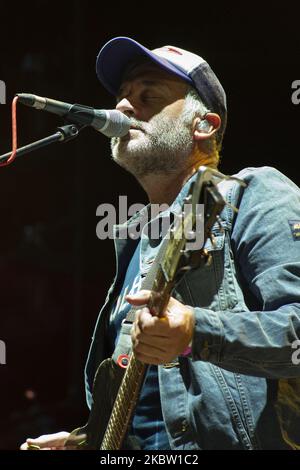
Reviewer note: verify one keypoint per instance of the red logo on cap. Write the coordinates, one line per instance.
(171, 49)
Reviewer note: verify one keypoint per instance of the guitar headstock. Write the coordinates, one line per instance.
(193, 226)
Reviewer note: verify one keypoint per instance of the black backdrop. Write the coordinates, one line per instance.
(54, 271)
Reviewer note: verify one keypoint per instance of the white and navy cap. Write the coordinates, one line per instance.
(117, 53)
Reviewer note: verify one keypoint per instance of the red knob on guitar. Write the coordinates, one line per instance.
(123, 361)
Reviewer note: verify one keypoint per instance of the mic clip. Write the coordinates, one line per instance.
(69, 131)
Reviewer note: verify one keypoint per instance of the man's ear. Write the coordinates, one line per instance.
(206, 127)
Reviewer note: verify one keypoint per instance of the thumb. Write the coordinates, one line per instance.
(140, 298)
(49, 440)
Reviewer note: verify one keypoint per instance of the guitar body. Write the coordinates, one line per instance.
(106, 386)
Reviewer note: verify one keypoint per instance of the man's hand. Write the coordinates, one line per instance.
(47, 442)
(159, 340)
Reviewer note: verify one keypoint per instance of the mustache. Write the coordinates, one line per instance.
(136, 124)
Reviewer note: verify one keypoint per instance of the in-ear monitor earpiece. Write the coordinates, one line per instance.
(204, 126)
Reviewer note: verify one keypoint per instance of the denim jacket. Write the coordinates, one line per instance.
(247, 312)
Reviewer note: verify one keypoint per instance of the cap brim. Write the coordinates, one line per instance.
(116, 54)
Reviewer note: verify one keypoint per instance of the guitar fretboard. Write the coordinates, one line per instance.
(132, 382)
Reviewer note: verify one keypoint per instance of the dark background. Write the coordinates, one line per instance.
(54, 271)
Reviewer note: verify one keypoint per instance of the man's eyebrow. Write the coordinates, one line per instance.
(146, 82)
(151, 82)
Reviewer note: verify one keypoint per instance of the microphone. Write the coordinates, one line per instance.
(111, 123)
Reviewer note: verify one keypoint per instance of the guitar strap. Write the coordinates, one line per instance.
(124, 345)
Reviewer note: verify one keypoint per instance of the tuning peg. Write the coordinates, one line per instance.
(190, 235)
(188, 199)
(212, 239)
(207, 257)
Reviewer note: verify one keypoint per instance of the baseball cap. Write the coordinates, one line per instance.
(117, 53)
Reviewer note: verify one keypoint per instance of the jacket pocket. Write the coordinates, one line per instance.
(202, 287)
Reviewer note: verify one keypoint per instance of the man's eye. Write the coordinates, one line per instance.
(150, 97)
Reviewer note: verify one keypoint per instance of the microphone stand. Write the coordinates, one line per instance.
(63, 134)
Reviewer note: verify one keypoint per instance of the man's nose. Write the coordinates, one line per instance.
(125, 107)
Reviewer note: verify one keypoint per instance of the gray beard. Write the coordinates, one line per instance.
(161, 148)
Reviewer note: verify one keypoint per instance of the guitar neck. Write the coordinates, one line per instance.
(133, 379)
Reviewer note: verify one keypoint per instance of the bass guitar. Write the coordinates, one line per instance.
(117, 387)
